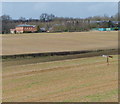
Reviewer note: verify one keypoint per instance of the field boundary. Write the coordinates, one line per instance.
(84, 53)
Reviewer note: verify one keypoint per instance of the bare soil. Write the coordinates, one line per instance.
(57, 42)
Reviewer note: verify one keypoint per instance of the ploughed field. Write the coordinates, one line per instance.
(76, 80)
(57, 42)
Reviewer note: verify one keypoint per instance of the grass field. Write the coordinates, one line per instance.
(57, 42)
(75, 80)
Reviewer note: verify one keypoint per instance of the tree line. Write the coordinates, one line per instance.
(52, 23)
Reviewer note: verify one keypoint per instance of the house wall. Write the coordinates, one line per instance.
(19, 29)
(32, 29)
(24, 29)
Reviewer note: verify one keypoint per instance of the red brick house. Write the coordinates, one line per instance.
(24, 28)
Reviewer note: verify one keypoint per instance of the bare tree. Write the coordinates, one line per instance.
(44, 17)
(5, 18)
(22, 19)
(6, 23)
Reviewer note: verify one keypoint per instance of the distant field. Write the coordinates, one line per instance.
(57, 42)
(75, 80)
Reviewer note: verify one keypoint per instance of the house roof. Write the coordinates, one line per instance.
(24, 25)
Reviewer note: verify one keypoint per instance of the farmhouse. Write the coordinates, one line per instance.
(24, 28)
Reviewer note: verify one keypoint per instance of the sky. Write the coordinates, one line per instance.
(59, 9)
